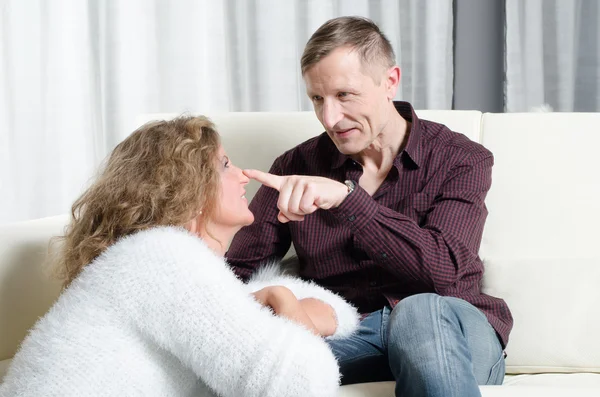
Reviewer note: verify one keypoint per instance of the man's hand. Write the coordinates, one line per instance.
(301, 195)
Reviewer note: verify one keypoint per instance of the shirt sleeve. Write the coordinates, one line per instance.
(186, 300)
(442, 250)
(266, 239)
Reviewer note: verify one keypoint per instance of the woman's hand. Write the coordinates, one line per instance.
(284, 303)
(321, 314)
(316, 315)
(276, 297)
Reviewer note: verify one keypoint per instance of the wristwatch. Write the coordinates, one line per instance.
(350, 184)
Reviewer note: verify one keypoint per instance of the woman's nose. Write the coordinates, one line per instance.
(243, 178)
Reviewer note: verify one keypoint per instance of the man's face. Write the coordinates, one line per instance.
(352, 107)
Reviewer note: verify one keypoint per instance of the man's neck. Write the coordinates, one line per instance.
(379, 156)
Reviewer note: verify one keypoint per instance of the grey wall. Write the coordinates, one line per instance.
(479, 55)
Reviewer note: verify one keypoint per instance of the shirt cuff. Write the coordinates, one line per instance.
(357, 209)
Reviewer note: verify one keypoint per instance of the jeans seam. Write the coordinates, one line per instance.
(383, 329)
(443, 330)
(494, 373)
(356, 358)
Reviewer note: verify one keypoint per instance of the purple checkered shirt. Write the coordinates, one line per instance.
(420, 232)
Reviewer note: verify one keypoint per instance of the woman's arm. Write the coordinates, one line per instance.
(180, 295)
(321, 314)
(284, 303)
(333, 316)
(314, 314)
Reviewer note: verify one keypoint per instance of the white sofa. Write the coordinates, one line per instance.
(540, 245)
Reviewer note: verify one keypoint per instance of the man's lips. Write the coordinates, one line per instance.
(344, 131)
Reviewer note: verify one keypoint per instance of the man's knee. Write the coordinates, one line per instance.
(415, 308)
(414, 318)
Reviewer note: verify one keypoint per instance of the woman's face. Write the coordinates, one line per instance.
(232, 209)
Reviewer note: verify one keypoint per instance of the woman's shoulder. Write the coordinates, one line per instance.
(161, 242)
(166, 252)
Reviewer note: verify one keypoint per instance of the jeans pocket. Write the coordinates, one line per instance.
(497, 372)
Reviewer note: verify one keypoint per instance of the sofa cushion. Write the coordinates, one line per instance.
(545, 385)
(375, 389)
(537, 391)
(26, 291)
(562, 381)
(4, 368)
(541, 237)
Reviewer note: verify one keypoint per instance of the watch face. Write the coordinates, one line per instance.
(350, 185)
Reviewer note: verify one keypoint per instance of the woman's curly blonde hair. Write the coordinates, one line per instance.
(164, 173)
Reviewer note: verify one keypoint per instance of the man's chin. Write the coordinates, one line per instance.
(348, 150)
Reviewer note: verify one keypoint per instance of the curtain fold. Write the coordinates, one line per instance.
(74, 74)
(553, 55)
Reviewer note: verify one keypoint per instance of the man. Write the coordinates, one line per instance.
(388, 211)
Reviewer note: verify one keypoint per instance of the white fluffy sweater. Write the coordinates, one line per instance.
(159, 314)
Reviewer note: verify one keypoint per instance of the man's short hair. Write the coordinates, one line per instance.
(360, 34)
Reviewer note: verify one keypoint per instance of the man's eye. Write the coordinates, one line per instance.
(343, 94)
(316, 98)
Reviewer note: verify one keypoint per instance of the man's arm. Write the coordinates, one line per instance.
(439, 252)
(266, 239)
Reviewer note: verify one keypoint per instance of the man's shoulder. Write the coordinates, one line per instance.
(437, 137)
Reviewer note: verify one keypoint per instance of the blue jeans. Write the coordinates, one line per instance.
(429, 344)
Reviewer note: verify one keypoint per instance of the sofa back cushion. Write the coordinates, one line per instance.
(26, 290)
(540, 245)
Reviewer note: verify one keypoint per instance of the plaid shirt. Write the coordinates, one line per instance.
(420, 232)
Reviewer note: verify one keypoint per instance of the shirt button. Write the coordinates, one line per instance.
(383, 255)
(351, 218)
(373, 283)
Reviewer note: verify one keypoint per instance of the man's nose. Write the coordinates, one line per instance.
(331, 114)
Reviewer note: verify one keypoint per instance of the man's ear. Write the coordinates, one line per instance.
(392, 81)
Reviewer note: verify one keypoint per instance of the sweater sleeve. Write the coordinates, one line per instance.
(184, 298)
(347, 317)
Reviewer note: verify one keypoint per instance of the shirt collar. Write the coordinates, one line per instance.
(411, 151)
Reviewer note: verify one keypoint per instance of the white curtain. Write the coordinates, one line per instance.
(74, 74)
(553, 55)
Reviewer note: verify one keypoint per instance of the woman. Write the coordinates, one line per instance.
(150, 308)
